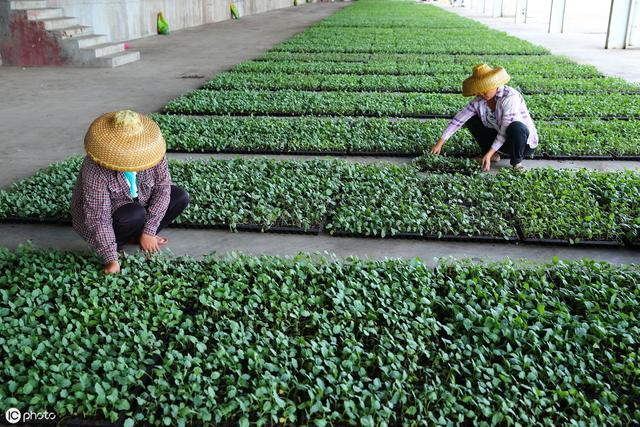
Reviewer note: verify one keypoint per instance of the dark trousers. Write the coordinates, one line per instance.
(128, 220)
(515, 144)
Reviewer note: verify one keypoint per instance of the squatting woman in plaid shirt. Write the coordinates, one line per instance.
(124, 192)
(497, 118)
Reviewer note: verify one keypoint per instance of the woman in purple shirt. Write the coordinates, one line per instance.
(497, 118)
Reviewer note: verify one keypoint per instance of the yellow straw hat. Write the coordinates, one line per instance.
(125, 141)
(484, 78)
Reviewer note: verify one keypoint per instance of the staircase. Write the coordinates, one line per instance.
(78, 45)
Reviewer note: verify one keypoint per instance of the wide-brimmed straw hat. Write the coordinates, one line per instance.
(484, 78)
(125, 141)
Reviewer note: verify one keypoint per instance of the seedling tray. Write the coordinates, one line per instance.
(385, 153)
(566, 242)
(262, 151)
(574, 157)
(445, 237)
(627, 158)
(307, 114)
(315, 230)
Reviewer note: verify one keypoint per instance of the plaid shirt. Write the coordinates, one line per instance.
(99, 192)
(510, 107)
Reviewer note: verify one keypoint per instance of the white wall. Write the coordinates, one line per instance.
(132, 19)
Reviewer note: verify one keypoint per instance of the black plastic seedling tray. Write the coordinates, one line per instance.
(315, 230)
(444, 237)
(579, 243)
(261, 151)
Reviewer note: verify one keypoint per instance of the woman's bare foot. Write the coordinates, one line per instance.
(162, 240)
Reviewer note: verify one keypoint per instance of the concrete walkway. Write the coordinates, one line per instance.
(45, 112)
(201, 242)
(581, 46)
(603, 165)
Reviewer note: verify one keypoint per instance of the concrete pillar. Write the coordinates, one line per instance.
(521, 8)
(477, 5)
(556, 16)
(497, 8)
(619, 24)
(634, 31)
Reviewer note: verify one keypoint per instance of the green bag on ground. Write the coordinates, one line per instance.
(163, 25)
(234, 12)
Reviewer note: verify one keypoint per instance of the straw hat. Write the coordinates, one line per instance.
(484, 78)
(125, 141)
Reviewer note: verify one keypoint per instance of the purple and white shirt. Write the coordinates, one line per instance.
(100, 191)
(510, 107)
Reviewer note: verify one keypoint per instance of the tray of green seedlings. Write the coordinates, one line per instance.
(270, 340)
(300, 341)
(388, 40)
(388, 67)
(395, 201)
(398, 15)
(297, 103)
(391, 104)
(450, 83)
(245, 195)
(76, 342)
(305, 135)
(580, 139)
(589, 138)
(560, 206)
(407, 64)
(439, 164)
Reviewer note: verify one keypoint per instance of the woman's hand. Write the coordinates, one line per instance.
(438, 147)
(112, 267)
(486, 160)
(149, 243)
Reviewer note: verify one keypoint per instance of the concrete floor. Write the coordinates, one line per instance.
(580, 43)
(201, 242)
(603, 165)
(45, 112)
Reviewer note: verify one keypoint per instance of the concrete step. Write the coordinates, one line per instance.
(27, 4)
(100, 50)
(116, 59)
(80, 42)
(44, 13)
(73, 31)
(59, 23)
